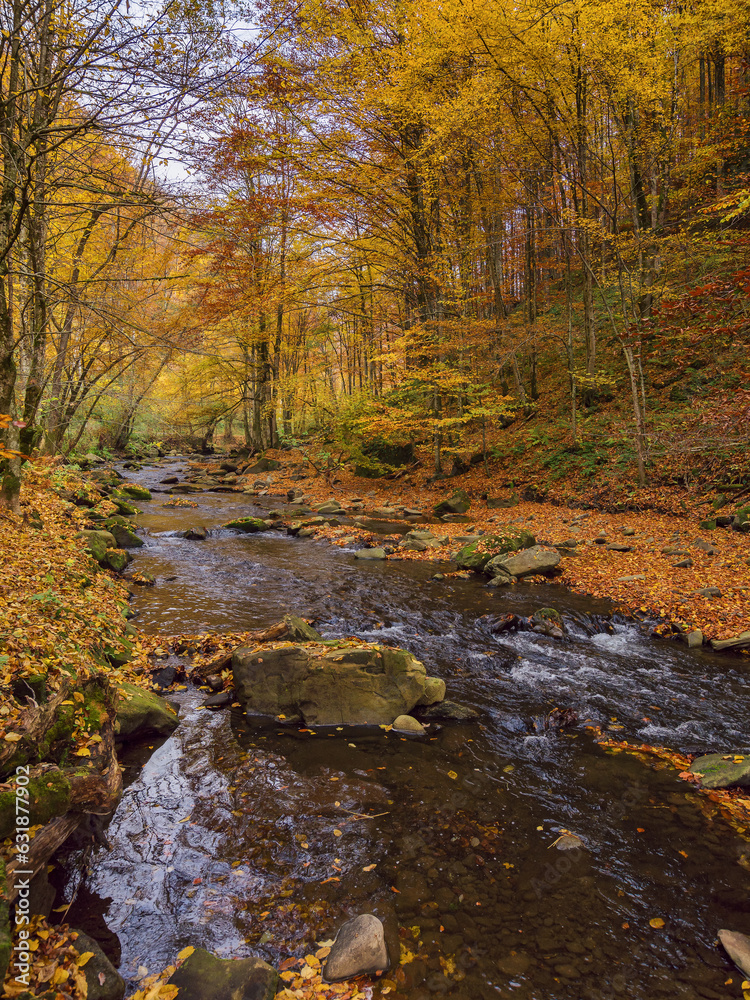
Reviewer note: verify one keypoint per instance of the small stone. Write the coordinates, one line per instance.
(359, 949)
(709, 592)
(628, 532)
(370, 554)
(683, 564)
(694, 639)
(198, 534)
(408, 724)
(632, 578)
(619, 547)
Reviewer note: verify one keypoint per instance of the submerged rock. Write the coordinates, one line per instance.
(197, 534)
(359, 949)
(203, 976)
(348, 685)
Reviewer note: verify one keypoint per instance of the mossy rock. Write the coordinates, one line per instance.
(708, 525)
(142, 713)
(97, 542)
(459, 503)
(476, 555)
(119, 655)
(123, 505)
(299, 631)
(49, 796)
(125, 536)
(249, 525)
(118, 559)
(134, 491)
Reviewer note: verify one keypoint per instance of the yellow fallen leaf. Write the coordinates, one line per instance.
(369, 868)
(656, 922)
(83, 752)
(83, 958)
(185, 953)
(337, 833)
(78, 696)
(452, 774)
(12, 737)
(59, 976)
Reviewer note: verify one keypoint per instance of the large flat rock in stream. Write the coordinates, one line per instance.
(346, 685)
(723, 770)
(203, 976)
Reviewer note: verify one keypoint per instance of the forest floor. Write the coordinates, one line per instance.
(665, 518)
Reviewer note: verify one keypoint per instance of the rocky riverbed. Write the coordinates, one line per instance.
(505, 855)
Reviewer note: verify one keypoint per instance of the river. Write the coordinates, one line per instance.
(249, 840)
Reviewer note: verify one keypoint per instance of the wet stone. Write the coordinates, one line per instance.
(359, 948)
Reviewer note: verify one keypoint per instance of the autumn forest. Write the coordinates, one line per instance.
(385, 225)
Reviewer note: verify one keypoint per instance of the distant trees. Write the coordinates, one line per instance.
(465, 186)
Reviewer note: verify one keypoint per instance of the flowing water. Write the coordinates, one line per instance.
(250, 840)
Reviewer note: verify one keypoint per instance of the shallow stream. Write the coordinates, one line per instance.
(257, 841)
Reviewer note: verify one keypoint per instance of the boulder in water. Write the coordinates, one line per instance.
(248, 525)
(548, 621)
(359, 949)
(477, 554)
(529, 562)
(717, 770)
(376, 553)
(197, 534)
(347, 685)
